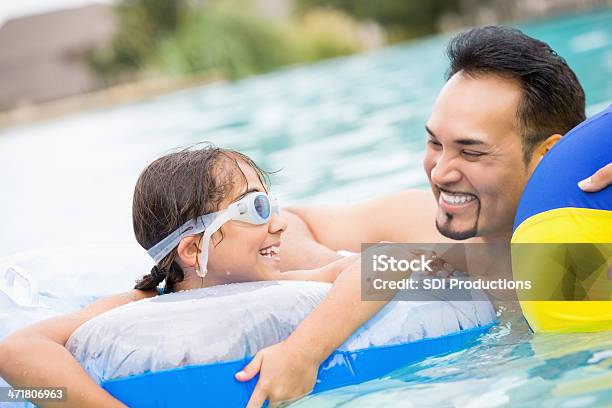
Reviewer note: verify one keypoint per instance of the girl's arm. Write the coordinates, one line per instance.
(289, 369)
(328, 273)
(35, 356)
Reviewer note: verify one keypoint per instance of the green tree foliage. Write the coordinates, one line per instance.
(401, 18)
(236, 43)
(143, 24)
(184, 37)
(230, 41)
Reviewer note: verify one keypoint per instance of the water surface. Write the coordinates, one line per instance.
(339, 131)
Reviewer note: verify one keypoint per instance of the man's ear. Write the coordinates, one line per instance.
(188, 251)
(541, 149)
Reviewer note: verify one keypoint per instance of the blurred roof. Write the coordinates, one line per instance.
(44, 56)
(74, 29)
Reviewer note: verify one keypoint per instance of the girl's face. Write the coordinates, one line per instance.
(245, 252)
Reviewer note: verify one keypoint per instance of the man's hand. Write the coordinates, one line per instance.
(285, 373)
(601, 179)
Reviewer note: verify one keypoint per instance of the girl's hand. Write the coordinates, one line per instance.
(285, 373)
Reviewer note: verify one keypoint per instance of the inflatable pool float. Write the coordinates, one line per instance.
(183, 349)
(37, 284)
(553, 210)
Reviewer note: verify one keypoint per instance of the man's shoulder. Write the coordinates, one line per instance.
(409, 216)
(413, 204)
(409, 199)
(420, 195)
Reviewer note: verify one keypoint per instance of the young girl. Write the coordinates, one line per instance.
(206, 218)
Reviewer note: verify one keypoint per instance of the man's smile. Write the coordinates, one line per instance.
(455, 201)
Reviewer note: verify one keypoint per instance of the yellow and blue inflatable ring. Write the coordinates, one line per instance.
(553, 209)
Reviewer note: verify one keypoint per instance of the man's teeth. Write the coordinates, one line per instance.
(270, 252)
(456, 199)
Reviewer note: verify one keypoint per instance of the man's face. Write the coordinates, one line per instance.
(474, 157)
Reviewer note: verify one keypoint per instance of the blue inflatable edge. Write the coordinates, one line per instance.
(215, 385)
(579, 154)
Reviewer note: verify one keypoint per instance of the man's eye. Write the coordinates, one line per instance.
(472, 153)
(434, 144)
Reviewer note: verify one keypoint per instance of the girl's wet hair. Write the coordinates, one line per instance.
(179, 187)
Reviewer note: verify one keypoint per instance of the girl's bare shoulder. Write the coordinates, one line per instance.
(112, 301)
(137, 294)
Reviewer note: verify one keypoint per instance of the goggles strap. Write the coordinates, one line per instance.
(223, 217)
(191, 227)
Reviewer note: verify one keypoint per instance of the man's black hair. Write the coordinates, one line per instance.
(553, 100)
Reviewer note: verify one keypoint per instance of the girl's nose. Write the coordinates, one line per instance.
(278, 224)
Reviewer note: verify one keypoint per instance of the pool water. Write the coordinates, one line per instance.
(338, 131)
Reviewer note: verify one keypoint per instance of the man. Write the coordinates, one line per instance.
(507, 101)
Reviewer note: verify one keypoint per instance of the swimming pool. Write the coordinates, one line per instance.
(341, 130)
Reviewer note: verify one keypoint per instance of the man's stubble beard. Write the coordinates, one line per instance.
(458, 235)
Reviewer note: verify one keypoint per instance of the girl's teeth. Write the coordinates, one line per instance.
(269, 252)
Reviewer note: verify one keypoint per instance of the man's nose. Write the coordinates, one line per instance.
(278, 224)
(445, 171)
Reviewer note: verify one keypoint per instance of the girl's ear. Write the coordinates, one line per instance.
(188, 251)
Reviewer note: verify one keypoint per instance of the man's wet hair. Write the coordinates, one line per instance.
(553, 100)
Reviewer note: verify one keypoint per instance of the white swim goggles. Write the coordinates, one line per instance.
(254, 208)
